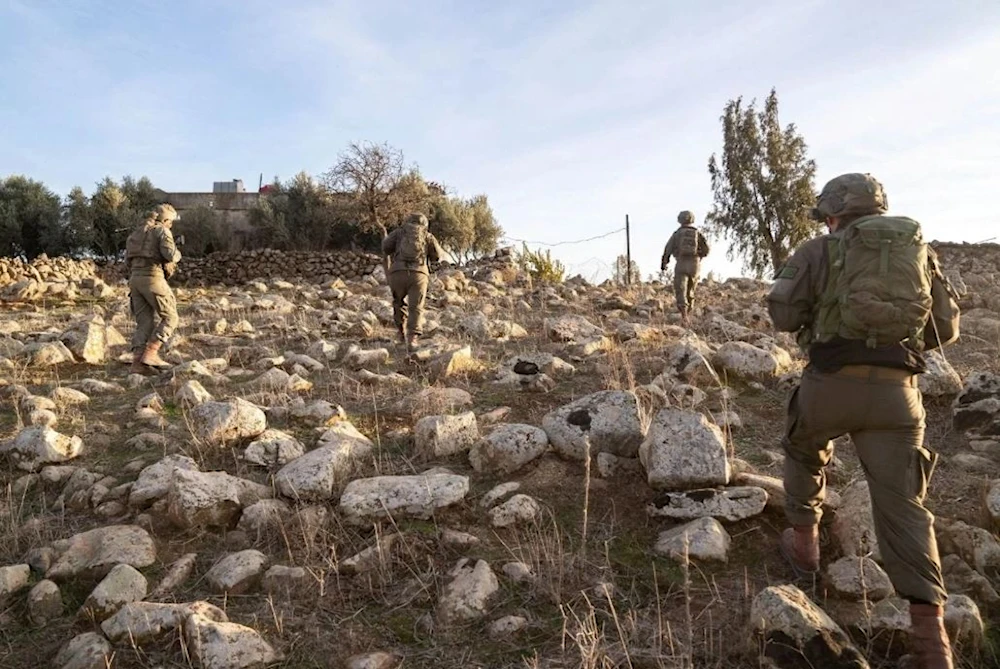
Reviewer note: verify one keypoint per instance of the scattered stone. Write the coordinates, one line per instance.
(40, 445)
(95, 553)
(732, 504)
(123, 585)
(795, 632)
(89, 650)
(701, 539)
(507, 448)
(506, 627)
(285, 580)
(237, 573)
(433, 401)
(859, 578)
(854, 525)
(154, 481)
(44, 603)
(611, 466)
(940, 379)
(179, 572)
(609, 420)
(225, 645)
(273, 448)
(223, 423)
(378, 660)
(203, 499)
(518, 572)
(13, 579)
(518, 509)
(315, 475)
(191, 394)
(684, 451)
(418, 496)
(442, 436)
(468, 594)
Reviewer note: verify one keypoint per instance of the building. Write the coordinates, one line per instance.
(229, 199)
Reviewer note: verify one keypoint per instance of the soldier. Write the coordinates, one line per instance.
(410, 247)
(867, 300)
(689, 246)
(151, 257)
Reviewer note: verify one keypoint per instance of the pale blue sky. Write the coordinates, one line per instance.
(567, 114)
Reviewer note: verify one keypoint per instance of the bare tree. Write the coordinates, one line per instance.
(384, 188)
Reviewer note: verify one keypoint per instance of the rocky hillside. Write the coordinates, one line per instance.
(561, 476)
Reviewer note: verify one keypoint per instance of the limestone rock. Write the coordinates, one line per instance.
(13, 579)
(507, 448)
(273, 448)
(89, 650)
(223, 423)
(732, 504)
(940, 379)
(701, 539)
(795, 632)
(684, 451)
(609, 419)
(39, 445)
(203, 499)
(315, 475)
(468, 594)
(45, 603)
(123, 585)
(154, 481)
(442, 436)
(237, 573)
(417, 496)
(95, 553)
(225, 645)
(517, 509)
(859, 578)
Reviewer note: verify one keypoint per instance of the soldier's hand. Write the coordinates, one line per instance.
(179, 240)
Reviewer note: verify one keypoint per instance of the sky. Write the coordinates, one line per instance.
(568, 115)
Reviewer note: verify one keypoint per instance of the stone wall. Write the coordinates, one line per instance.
(307, 266)
(45, 277)
(974, 270)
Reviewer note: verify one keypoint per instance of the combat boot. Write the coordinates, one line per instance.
(800, 546)
(137, 366)
(400, 336)
(151, 356)
(928, 638)
(411, 343)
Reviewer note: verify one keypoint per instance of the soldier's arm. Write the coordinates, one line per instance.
(793, 294)
(943, 327)
(168, 250)
(702, 246)
(668, 251)
(434, 250)
(389, 243)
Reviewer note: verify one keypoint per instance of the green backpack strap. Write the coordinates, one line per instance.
(827, 323)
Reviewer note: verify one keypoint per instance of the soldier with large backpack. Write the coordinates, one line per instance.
(867, 300)
(410, 248)
(689, 246)
(151, 257)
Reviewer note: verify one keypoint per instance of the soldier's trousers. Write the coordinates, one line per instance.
(152, 299)
(409, 290)
(882, 410)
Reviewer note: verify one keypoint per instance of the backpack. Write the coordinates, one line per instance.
(879, 284)
(137, 245)
(412, 246)
(687, 243)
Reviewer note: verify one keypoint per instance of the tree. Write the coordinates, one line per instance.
(29, 218)
(622, 275)
(201, 229)
(486, 230)
(377, 177)
(77, 221)
(762, 188)
(451, 222)
(110, 218)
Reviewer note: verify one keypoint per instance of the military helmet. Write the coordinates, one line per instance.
(164, 213)
(417, 218)
(850, 194)
(685, 218)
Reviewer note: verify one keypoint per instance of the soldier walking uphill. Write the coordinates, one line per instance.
(410, 248)
(866, 301)
(689, 246)
(151, 257)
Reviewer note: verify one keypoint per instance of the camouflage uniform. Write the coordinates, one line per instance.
(688, 265)
(872, 395)
(151, 256)
(408, 281)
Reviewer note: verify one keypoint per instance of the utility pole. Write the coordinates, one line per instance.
(628, 254)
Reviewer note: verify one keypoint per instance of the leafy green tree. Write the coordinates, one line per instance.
(77, 222)
(201, 228)
(111, 218)
(762, 186)
(29, 218)
(486, 230)
(451, 222)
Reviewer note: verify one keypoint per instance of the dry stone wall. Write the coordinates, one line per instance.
(308, 266)
(974, 270)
